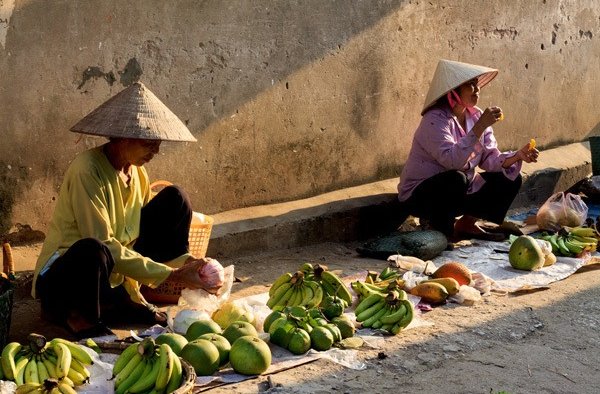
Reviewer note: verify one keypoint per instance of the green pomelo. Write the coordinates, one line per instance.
(203, 356)
(332, 306)
(271, 318)
(525, 254)
(174, 340)
(200, 327)
(230, 312)
(299, 341)
(345, 326)
(280, 332)
(222, 345)
(321, 338)
(239, 329)
(250, 355)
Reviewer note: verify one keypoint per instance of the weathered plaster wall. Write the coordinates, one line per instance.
(288, 99)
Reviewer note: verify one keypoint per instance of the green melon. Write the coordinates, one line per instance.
(525, 254)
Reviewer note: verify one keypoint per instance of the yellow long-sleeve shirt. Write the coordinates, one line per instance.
(94, 202)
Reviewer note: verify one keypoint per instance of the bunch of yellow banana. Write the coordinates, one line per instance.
(385, 276)
(572, 242)
(147, 367)
(294, 290)
(49, 386)
(392, 312)
(32, 364)
(331, 283)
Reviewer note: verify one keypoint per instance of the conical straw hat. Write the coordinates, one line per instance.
(134, 112)
(450, 74)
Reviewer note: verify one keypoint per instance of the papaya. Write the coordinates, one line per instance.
(451, 284)
(431, 292)
(456, 270)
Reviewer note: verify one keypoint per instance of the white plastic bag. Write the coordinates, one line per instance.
(561, 209)
(201, 300)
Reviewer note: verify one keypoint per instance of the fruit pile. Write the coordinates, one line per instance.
(147, 366)
(46, 366)
(299, 329)
(307, 287)
(207, 347)
(391, 313)
(572, 242)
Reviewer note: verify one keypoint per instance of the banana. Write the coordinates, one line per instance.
(29, 388)
(308, 293)
(77, 378)
(128, 369)
(7, 360)
(562, 248)
(334, 330)
(64, 388)
(338, 285)
(50, 366)
(280, 281)
(148, 377)
(176, 376)
(285, 300)
(553, 239)
(63, 357)
(307, 269)
(574, 248)
(67, 381)
(296, 297)
(42, 370)
(31, 372)
(77, 352)
(367, 302)
(408, 317)
(370, 311)
(583, 231)
(124, 358)
(282, 290)
(328, 288)
(165, 366)
(582, 239)
(77, 366)
(122, 386)
(20, 370)
(371, 320)
(395, 316)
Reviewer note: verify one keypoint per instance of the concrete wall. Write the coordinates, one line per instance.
(288, 99)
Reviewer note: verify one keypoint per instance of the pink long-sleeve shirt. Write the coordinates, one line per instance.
(440, 144)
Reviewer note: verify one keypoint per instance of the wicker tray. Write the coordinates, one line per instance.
(189, 375)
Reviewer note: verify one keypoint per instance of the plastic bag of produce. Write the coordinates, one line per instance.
(202, 300)
(561, 209)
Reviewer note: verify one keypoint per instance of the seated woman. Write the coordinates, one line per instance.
(439, 181)
(108, 234)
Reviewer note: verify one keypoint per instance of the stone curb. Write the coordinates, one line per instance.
(365, 211)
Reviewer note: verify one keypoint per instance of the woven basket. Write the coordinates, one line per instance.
(200, 229)
(189, 375)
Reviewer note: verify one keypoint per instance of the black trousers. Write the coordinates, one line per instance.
(78, 281)
(443, 197)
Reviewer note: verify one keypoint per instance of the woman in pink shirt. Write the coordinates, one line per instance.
(439, 181)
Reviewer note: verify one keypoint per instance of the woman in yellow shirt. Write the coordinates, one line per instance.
(108, 235)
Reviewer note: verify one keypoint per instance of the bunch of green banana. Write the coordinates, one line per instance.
(331, 283)
(294, 290)
(32, 364)
(386, 275)
(147, 367)
(572, 242)
(391, 312)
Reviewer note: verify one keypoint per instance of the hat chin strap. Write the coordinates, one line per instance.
(454, 100)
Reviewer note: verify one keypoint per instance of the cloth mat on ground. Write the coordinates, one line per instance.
(491, 259)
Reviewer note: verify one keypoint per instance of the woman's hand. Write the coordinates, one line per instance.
(204, 273)
(490, 116)
(527, 154)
